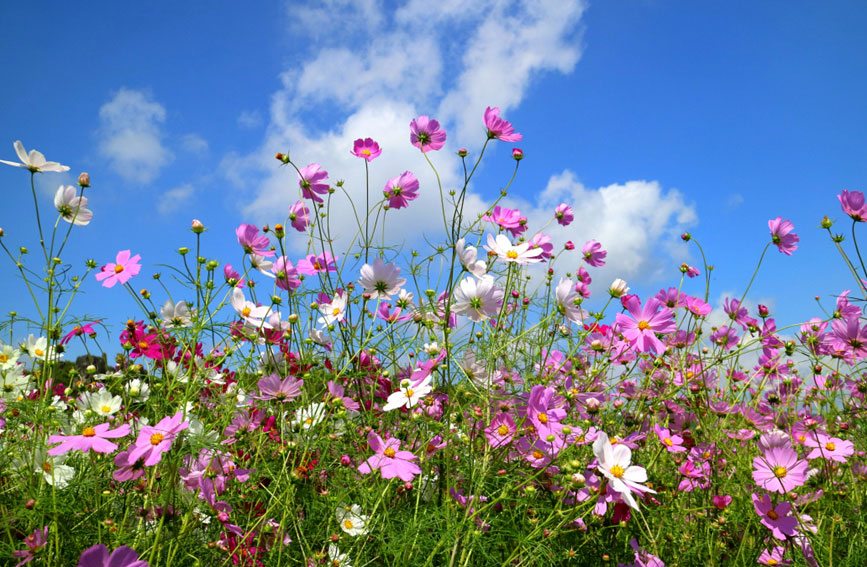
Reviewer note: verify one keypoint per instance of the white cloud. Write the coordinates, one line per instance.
(173, 199)
(734, 200)
(249, 119)
(194, 144)
(131, 135)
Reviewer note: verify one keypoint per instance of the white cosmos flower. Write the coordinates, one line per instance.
(71, 207)
(333, 311)
(336, 558)
(262, 264)
(177, 315)
(38, 349)
(309, 416)
(34, 161)
(614, 463)
(54, 470)
(320, 338)
(505, 250)
(138, 390)
(566, 296)
(467, 256)
(477, 299)
(103, 403)
(351, 520)
(13, 383)
(409, 394)
(381, 280)
(404, 300)
(8, 356)
(252, 314)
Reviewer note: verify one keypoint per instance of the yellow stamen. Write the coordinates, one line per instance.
(643, 325)
(118, 268)
(389, 453)
(157, 438)
(511, 254)
(409, 393)
(543, 418)
(617, 471)
(773, 515)
(347, 523)
(106, 409)
(88, 432)
(245, 311)
(503, 429)
(537, 454)
(39, 352)
(830, 446)
(780, 472)
(367, 153)
(668, 441)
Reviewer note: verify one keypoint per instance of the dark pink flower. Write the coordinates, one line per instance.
(425, 134)
(97, 556)
(594, 254)
(366, 149)
(34, 542)
(401, 190)
(95, 437)
(564, 214)
(80, 330)
(517, 154)
(389, 460)
(721, 501)
(640, 329)
(782, 235)
(309, 179)
(507, 219)
(853, 205)
(778, 520)
(232, 277)
(120, 272)
(252, 242)
(499, 128)
(673, 443)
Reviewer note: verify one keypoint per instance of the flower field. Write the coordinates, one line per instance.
(291, 403)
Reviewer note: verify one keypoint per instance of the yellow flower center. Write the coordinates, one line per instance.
(3, 358)
(39, 352)
(773, 515)
(118, 269)
(336, 312)
(643, 325)
(617, 471)
(780, 472)
(106, 409)
(46, 466)
(830, 446)
(511, 254)
(88, 432)
(771, 561)
(245, 311)
(389, 453)
(543, 418)
(309, 421)
(348, 523)
(668, 441)
(410, 392)
(367, 153)
(317, 265)
(157, 438)
(503, 429)
(537, 454)
(143, 344)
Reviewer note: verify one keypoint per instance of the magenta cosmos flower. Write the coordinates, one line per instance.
(34, 542)
(564, 214)
(299, 216)
(366, 149)
(779, 470)
(252, 242)
(853, 205)
(310, 180)
(594, 254)
(97, 556)
(849, 335)
(155, 440)
(640, 329)
(425, 134)
(782, 235)
(317, 264)
(401, 190)
(95, 437)
(499, 128)
(120, 272)
(389, 460)
(271, 387)
(542, 413)
(777, 519)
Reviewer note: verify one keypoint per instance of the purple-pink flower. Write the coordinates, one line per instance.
(389, 460)
(125, 268)
(299, 216)
(564, 214)
(829, 448)
(853, 205)
(594, 254)
(366, 149)
(34, 542)
(401, 190)
(286, 276)
(640, 329)
(252, 242)
(98, 556)
(779, 470)
(425, 134)
(271, 387)
(777, 519)
(782, 235)
(317, 264)
(499, 128)
(92, 437)
(310, 180)
(155, 440)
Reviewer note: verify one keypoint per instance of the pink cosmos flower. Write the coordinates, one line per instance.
(782, 235)
(389, 460)
(127, 470)
(542, 241)
(499, 128)
(425, 134)
(778, 519)
(317, 264)
(271, 387)
(542, 413)
(299, 216)
(853, 205)
(401, 190)
(673, 443)
(721, 501)
(849, 336)
(309, 179)
(34, 542)
(779, 470)
(92, 437)
(252, 242)
(366, 149)
(80, 330)
(640, 329)
(594, 254)
(501, 430)
(232, 277)
(121, 272)
(155, 440)
(564, 214)
(775, 557)
(829, 448)
(97, 556)
(286, 276)
(507, 219)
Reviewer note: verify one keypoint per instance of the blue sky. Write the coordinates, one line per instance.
(650, 117)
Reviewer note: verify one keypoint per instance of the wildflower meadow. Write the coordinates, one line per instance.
(381, 405)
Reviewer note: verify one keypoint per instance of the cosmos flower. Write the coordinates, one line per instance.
(34, 161)
(381, 280)
(614, 463)
(467, 257)
(366, 149)
(477, 299)
(72, 207)
(351, 520)
(593, 254)
(120, 272)
(852, 203)
(642, 324)
(425, 134)
(310, 180)
(389, 460)
(779, 470)
(782, 235)
(91, 437)
(401, 190)
(499, 128)
(155, 440)
(520, 254)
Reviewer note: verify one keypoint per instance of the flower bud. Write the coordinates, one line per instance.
(282, 157)
(685, 237)
(517, 154)
(278, 231)
(618, 288)
(827, 223)
(569, 245)
(462, 152)
(197, 226)
(84, 179)
(183, 250)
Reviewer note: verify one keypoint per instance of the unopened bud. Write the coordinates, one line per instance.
(282, 157)
(462, 152)
(827, 223)
(197, 226)
(84, 179)
(517, 154)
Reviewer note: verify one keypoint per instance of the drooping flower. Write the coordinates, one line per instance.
(782, 235)
(252, 242)
(366, 149)
(310, 180)
(641, 325)
(98, 556)
(779, 470)
(478, 299)
(72, 207)
(34, 161)
(499, 128)
(564, 214)
(568, 301)
(381, 280)
(91, 437)
(425, 134)
(120, 272)
(853, 205)
(155, 440)
(334, 310)
(401, 190)
(351, 520)
(232, 277)
(593, 254)
(505, 250)
(614, 463)
(467, 257)
(389, 459)
(299, 216)
(777, 519)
